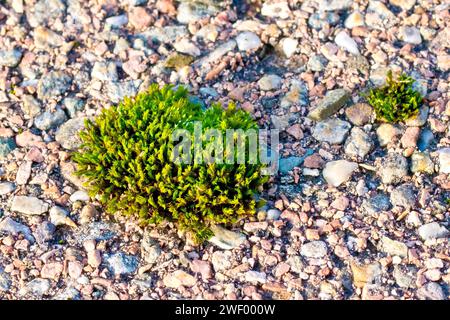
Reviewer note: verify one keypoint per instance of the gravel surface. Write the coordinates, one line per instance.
(359, 209)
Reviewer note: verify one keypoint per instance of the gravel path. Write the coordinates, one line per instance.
(359, 210)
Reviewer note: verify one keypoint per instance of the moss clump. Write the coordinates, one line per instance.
(126, 157)
(395, 101)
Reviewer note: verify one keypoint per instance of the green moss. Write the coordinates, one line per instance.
(395, 101)
(126, 157)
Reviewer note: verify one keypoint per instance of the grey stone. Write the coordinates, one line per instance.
(317, 63)
(334, 5)
(50, 120)
(421, 162)
(420, 119)
(358, 143)
(410, 35)
(6, 187)
(122, 264)
(425, 139)
(297, 94)
(53, 84)
(69, 293)
(31, 107)
(165, 35)
(393, 247)
(6, 146)
(332, 131)
(288, 164)
(444, 160)
(255, 276)
(432, 231)
(44, 232)
(359, 114)
(221, 260)
(98, 231)
(117, 21)
(44, 12)
(330, 104)
(376, 204)
(319, 20)
(5, 281)
(314, 249)
(67, 134)
(151, 250)
(388, 133)
(339, 171)
(431, 291)
(192, 12)
(393, 169)
(73, 105)
(10, 58)
(29, 205)
(116, 91)
(270, 82)
(9, 226)
(346, 42)
(226, 239)
(248, 40)
(405, 277)
(105, 71)
(404, 196)
(36, 287)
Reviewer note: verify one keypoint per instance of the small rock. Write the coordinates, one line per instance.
(343, 40)
(73, 105)
(202, 267)
(226, 239)
(355, 19)
(329, 105)
(433, 231)
(444, 160)
(410, 137)
(6, 187)
(358, 143)
(273, 214)
(289, 46)
(31, 107)
(295, 131)
(44, 232)
(270, 82)
(67, 134)
(404, 4)
(288, 164)
(36, 287)
(6, 146)
(75, 269)
(221, 260)
(388, 133)
(393, 169)
(321, 20)
(314, 249)
(179, 278)
(338, 172)
(10, 58)
(187, 47)
(410, 35)
(359, 114)
(79, 195)
(53, 84)
(376, 204)
(139, 18)
(105, 71)
(317, 63)
(52, 270)
(420, 119)
(49, 120)
(94, 258)
(44, 11)
(364, 274)
(332, 131)
(120, 263)
(151, 250)
(5, 281)
(87, 214)
(431, 291)
(298, 94)
(393, 247)
(255, 277)
(188, 12)
(248, 41)
(98, 231)
(47, 39)
(117, 21)
(24, 173)
(116, 91)
(405, 277)
(60, 217)
(9, 226)
(404, 196)
(278, 9)
(29, 205)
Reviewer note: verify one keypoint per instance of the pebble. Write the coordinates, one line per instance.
(5, 281)
(278, 9)
(333, 131)
(405, 277)
(420, 119)
(67, 134)
(358, 143)
(355, 19)
(376, 204)
(270, 82)
(394, 248)
(79, 195)
(29, 205)
(410, 137)
(410, 35)
(433, 230)
(404, 196)
(47, 39)
(431, 291)
(50, 120)
(320, 20)
(6, 188)
(273, 214)
(53, 83)
(298, 94)
(116, 91)
(87, 214)
(44, 232)
(202, 267)
(333, 101)
(31, 107)
(151, 250)
(73, 105)
(388, 133)
(179, 278)
(359, 114)
(255, 277)
(10, 58)
(365, 274)
(10, 226)
(105, 71)
(94, 258)
(404, 4)
(314, 249)
(226, 239)
(344, 41)
(393, 169)
(121, 264)
(289, 46)
(187, 47)
(288, 164)
(7, 145)
(117, 21)
(317, 63)
(60, 217)
(221, 260)
(339, 171)
(248, 40)
(192, 12)
(52, 270)
(24, 173)
(444, 160)
(36, 287)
